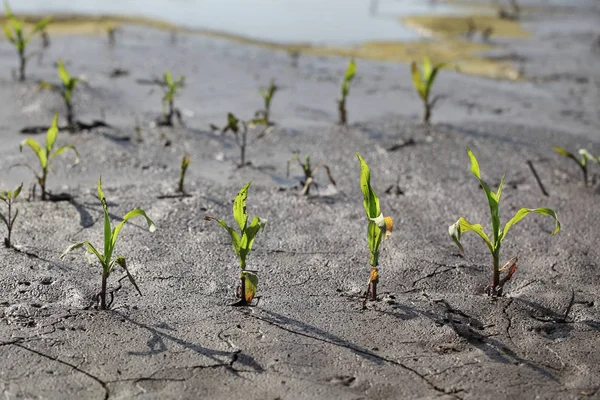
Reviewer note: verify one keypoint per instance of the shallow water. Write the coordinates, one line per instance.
(330, 22)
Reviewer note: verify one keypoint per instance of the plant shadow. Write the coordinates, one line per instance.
(303, 329)
(163, 332)
(471, 330)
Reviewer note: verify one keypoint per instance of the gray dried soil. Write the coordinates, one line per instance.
(432, 334)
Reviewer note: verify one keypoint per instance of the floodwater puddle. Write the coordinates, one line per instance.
(384, 30)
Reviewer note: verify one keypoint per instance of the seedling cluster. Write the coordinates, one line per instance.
(107, 261)
(379, 227)
(242, 243)
(240, 130)
(309, 173)
(9, 198)
(498, 234)
(423, 79)
(15, 33)
(65, 89)
(581, 162)
(46, 154)
(348, 76)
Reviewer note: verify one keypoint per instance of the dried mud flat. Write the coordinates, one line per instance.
(433, 334)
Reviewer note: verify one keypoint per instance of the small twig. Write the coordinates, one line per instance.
(570, 306)
(537, 178)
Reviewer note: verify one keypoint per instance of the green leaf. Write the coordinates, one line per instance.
(127, 217)
(374, 236)
(455, 233)
(17, 192)
(247, 240)
(120, 261)
(350, 71)
(239, 208)
(232, 123)
(37, 149)
(62, 149)
(493, 199)
(78, 245)
(251, 285)
(7, 10)
(523, 212)
(235, 237)
(63, 74)
(586, 155)
(52, 134)
(8, 33)
(567, 154)
(417, 80)
(40, 25)
(107, 230)
(466, 226)
(371, 201)
(3, 218)
(169, 79)
(430, 75)
(348, 76)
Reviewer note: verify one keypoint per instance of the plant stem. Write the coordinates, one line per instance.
(103, 291)
(171, 112)
(22, 65)
(243, 146)
(427, 114)
(496, 277)
(7, 243)
(342, 109)
(585, 175)
(243, 290)
(43, 185)
(69, 114)
(373, 290)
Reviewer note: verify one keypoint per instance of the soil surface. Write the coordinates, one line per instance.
(433, 333)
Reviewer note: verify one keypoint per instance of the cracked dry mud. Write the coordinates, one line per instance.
(432, 334)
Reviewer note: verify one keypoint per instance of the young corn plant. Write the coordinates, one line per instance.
(379, 227)
(242, 244)
(240, 129)
(171, 88)
(66, 88)
(9, 198)
(423, 81)
(46, 154)
(15, 34)
(267, 95)
(107, 259)
(498, 233)
(583, 163)
(185, 163)
(348, 76)
(309, 173)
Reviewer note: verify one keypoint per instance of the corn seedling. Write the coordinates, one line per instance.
(240, 130)
(185, 163)
(106, 259)
(13, 30)
(348, 76)
(267, 95)
(171, 88)
(499, 234)
(423, 81)
(583, 163)
(242, 244)
(66, 88)
(46, 154)
(379, 228)
(9, 219)
(309, 173)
